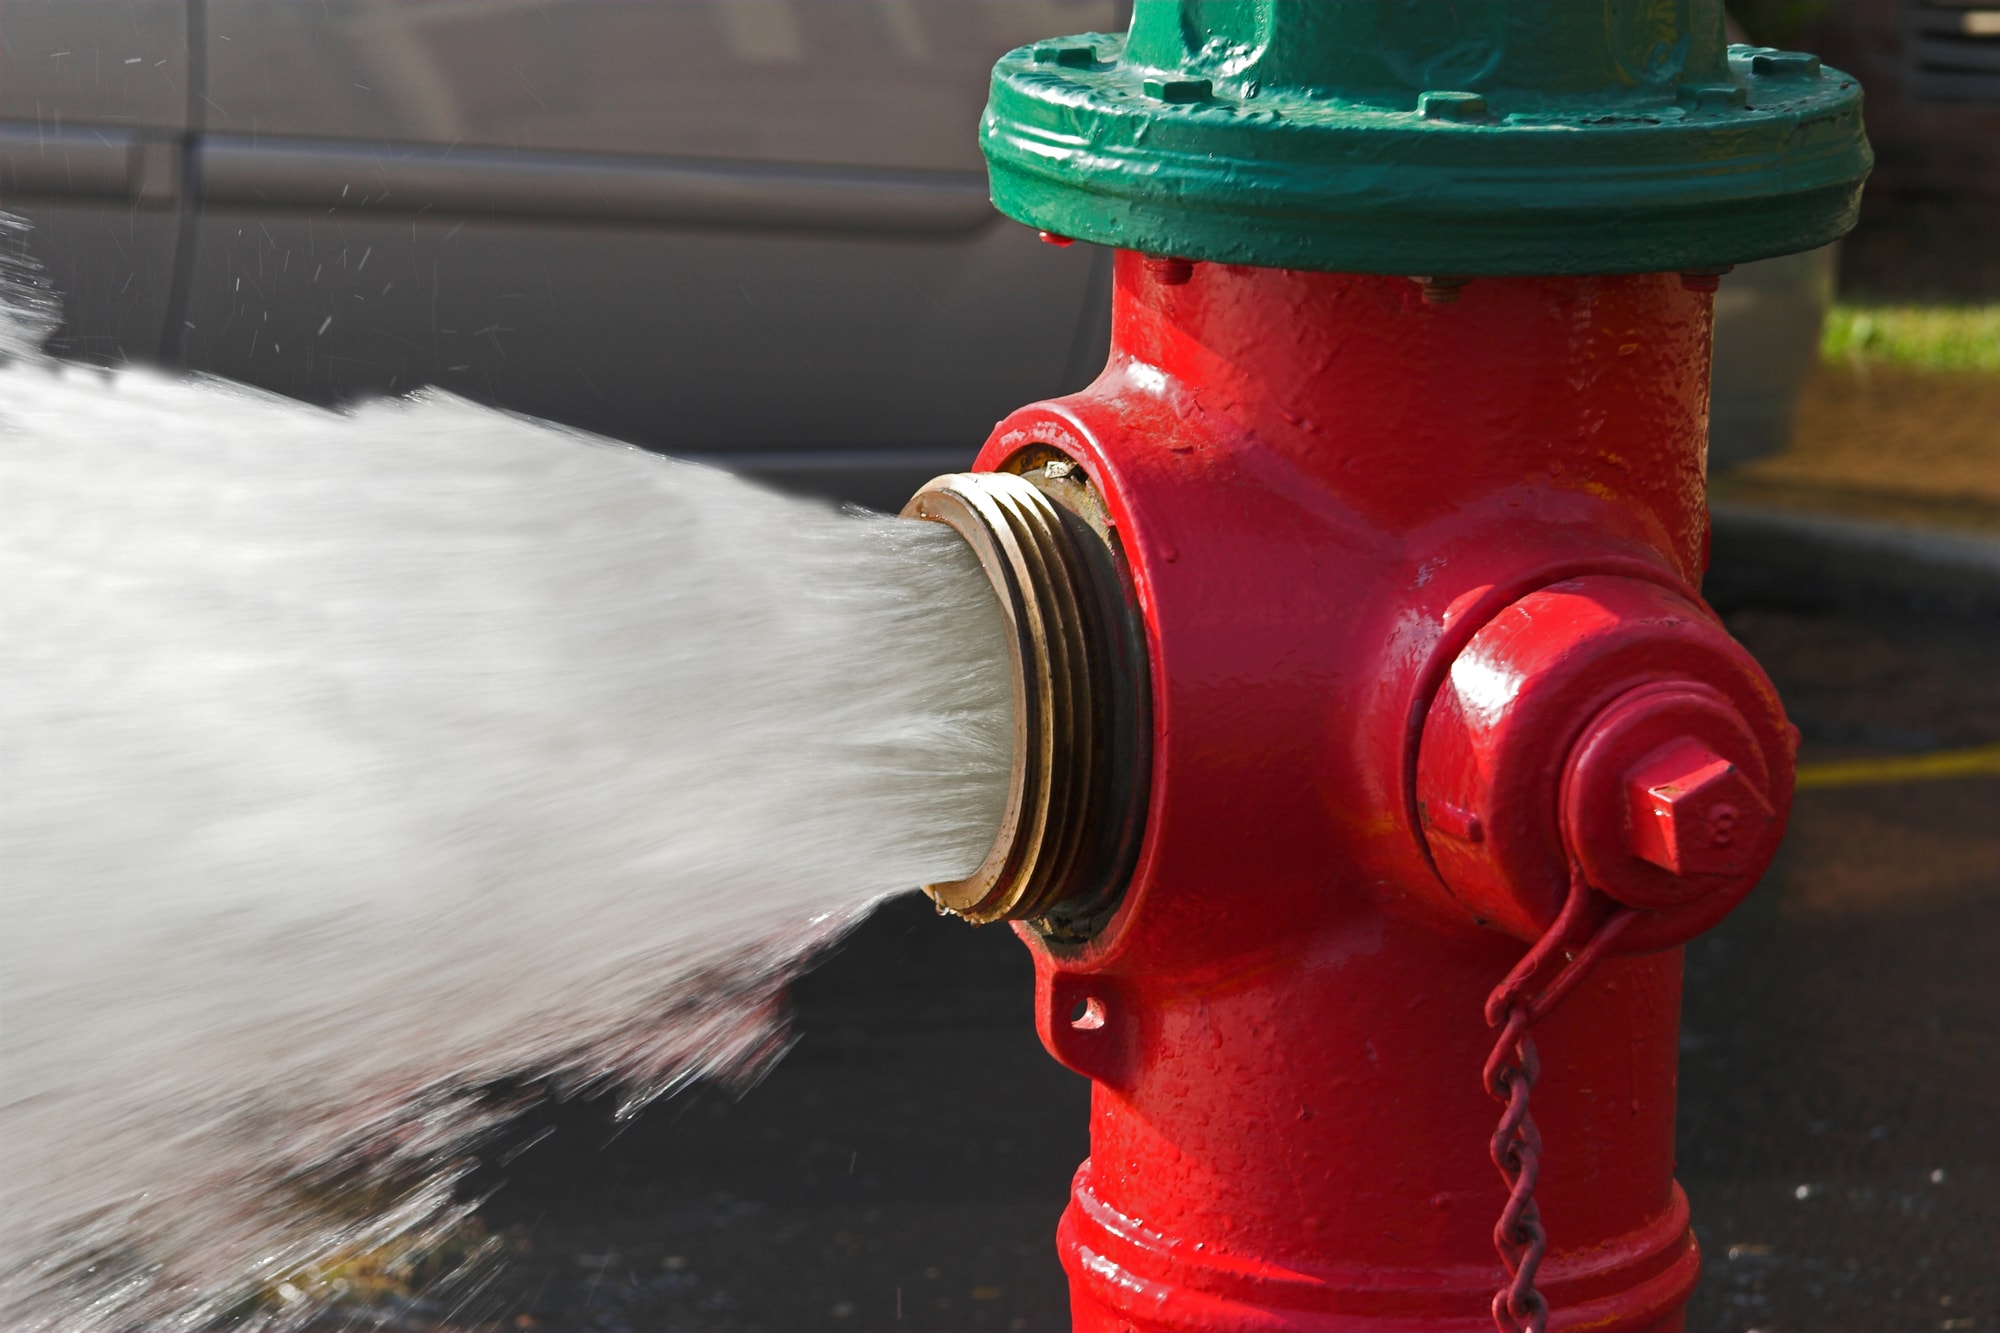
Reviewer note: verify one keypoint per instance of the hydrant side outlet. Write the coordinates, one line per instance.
(1076, 794)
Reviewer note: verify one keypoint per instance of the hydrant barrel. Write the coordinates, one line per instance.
(1282, 1017)
(1394, 479)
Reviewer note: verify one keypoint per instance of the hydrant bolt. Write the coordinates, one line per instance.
(1440, 290)
(1686, 804)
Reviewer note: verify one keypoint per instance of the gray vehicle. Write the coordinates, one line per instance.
(750, 230)
(754, 230)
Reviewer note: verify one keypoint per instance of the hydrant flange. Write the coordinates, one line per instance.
(1531, 137)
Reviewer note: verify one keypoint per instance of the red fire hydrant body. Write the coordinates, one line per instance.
(1322, 484)
(1444, 744)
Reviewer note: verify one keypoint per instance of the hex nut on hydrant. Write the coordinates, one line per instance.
(1669, 801)
(1693, 813)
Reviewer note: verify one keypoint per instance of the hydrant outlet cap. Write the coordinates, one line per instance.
(1609, 725)
(1492, 137)
(1667, 800)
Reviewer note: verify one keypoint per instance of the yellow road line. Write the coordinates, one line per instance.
(1976, 762)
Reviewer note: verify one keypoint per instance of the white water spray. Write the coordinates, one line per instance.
(352, 765)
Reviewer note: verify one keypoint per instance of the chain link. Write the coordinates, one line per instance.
(1511, 1070)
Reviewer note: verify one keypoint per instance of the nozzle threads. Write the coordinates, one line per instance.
(1063, 832)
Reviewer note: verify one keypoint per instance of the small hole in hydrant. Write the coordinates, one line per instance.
(1088, 1014)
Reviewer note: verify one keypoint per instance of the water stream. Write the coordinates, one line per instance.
(355, 768)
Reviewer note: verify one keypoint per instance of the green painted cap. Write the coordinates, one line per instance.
(1408, 136)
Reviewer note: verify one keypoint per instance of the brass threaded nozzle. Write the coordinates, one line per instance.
(1071, 771)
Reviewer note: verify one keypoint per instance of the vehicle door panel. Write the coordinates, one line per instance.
(93, 118)
(706, 342)
(748, 229)
(896, 83)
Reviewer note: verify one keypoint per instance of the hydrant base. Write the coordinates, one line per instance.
(1125, 1278)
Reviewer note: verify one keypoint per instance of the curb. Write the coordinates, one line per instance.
(1759, 553)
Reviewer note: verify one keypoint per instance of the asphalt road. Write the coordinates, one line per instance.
(903, 1168)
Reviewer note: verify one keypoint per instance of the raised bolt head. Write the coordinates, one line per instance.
(1713, 96)
(1767, 63)
(1441, 290)
(1176, 90)
(1451, 106)
(1075, 55)
(1694, 812)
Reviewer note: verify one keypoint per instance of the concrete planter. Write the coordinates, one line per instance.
(1767, 319)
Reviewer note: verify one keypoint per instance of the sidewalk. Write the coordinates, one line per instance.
(1890, 490)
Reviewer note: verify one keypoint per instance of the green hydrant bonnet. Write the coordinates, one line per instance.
(1409, 136)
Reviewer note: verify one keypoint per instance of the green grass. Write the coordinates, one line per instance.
(1926, 337)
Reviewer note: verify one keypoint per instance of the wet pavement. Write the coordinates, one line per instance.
(1840, 1075)
(905, 1165)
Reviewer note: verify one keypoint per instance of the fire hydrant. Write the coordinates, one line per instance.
(1375, 753)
